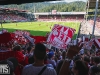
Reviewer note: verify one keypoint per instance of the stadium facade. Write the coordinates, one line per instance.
(60, 16)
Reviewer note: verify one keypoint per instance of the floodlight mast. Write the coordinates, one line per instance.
(96, 8)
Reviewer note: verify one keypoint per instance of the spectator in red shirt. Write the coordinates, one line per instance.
(19, 55)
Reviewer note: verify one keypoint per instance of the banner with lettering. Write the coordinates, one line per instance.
(60, 36)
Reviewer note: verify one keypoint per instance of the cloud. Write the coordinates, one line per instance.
(67, 1)
(74, 0)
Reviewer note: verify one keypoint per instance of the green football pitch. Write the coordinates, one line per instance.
(39, 28)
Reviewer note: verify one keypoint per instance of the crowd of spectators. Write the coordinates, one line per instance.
(37, 59)
(61, 18)
(91, 21)
(12, 17)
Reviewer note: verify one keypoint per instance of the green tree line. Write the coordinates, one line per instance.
(48, 7)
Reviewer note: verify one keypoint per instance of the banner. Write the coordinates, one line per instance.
(97, 43)
(54, 11)
(88, 44)
(60, 36)
(31, 40)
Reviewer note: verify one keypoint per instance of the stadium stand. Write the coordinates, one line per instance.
(80, 59)
(15, 15)
(91, 21)
(87, 25)
(12, 17)
(61, 16)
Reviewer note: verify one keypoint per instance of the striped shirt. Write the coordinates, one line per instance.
(32, 70)
(50, 61)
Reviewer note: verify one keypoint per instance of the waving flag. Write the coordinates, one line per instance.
(60, 36)
(97, 43)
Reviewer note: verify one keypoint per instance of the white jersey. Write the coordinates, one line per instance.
(32, 70)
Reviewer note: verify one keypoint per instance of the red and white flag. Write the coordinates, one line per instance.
(60, 36)
(97, 43)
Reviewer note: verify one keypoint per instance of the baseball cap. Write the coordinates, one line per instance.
(50, 54)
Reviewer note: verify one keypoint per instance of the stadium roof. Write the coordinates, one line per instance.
(62, 13)
(92, 4)
(6, 2)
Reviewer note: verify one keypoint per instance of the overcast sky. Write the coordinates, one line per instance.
(74, 0)
(68, 1)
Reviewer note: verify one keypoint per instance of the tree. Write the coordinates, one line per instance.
(47, 7)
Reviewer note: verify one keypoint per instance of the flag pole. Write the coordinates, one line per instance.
(95, 17)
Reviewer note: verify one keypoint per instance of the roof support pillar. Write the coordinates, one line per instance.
(96, 8)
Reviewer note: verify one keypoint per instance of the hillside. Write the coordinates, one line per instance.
(47, 6)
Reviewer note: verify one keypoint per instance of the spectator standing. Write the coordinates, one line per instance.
(38, 66)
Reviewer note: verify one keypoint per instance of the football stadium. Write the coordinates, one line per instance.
(44, 22)
(50, 37)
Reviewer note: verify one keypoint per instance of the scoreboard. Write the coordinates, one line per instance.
(54, 11)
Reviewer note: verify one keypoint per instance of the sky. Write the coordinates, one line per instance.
(74, 0)
(68, 1)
